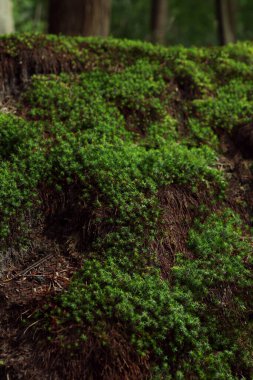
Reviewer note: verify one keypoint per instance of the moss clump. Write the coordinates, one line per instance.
(104, 294)
(218, 280)
(135, 120)
(78, 131)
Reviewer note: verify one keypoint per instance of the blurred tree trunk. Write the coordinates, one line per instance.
(80, 17)
(6, 17)
(159, 20)
(226, 19)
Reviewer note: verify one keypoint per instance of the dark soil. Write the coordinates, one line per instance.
(21, 292)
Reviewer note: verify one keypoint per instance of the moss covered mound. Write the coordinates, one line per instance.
(134, 163)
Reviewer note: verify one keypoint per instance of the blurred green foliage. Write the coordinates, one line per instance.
(30, 15)
(190, 22)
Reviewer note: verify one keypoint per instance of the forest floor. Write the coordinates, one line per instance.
(44, 271)
(47, 267)
(29, 279)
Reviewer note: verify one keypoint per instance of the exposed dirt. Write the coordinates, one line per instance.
(16, 71)
(46, 270)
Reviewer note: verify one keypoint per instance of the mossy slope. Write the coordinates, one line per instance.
(101, 132)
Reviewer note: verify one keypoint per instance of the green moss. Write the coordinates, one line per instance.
(103, 293)
(232, 106)
(88, 137)
(21, 169)
(219, 279)
(223, 254)
(135, 120)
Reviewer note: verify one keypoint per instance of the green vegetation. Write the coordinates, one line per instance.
(136, 120)
(152, 311)
(219, 280)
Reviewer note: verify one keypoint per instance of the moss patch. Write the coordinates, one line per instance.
(91, 149)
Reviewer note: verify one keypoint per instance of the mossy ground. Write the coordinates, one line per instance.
(104, 132)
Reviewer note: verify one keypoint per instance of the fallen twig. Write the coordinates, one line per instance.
(35, 265)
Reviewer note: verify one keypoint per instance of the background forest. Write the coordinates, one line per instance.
(187, 22)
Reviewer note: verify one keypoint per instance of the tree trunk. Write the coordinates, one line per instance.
(6, 17)
(226, 19)
(159, 20)
(80, 17)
